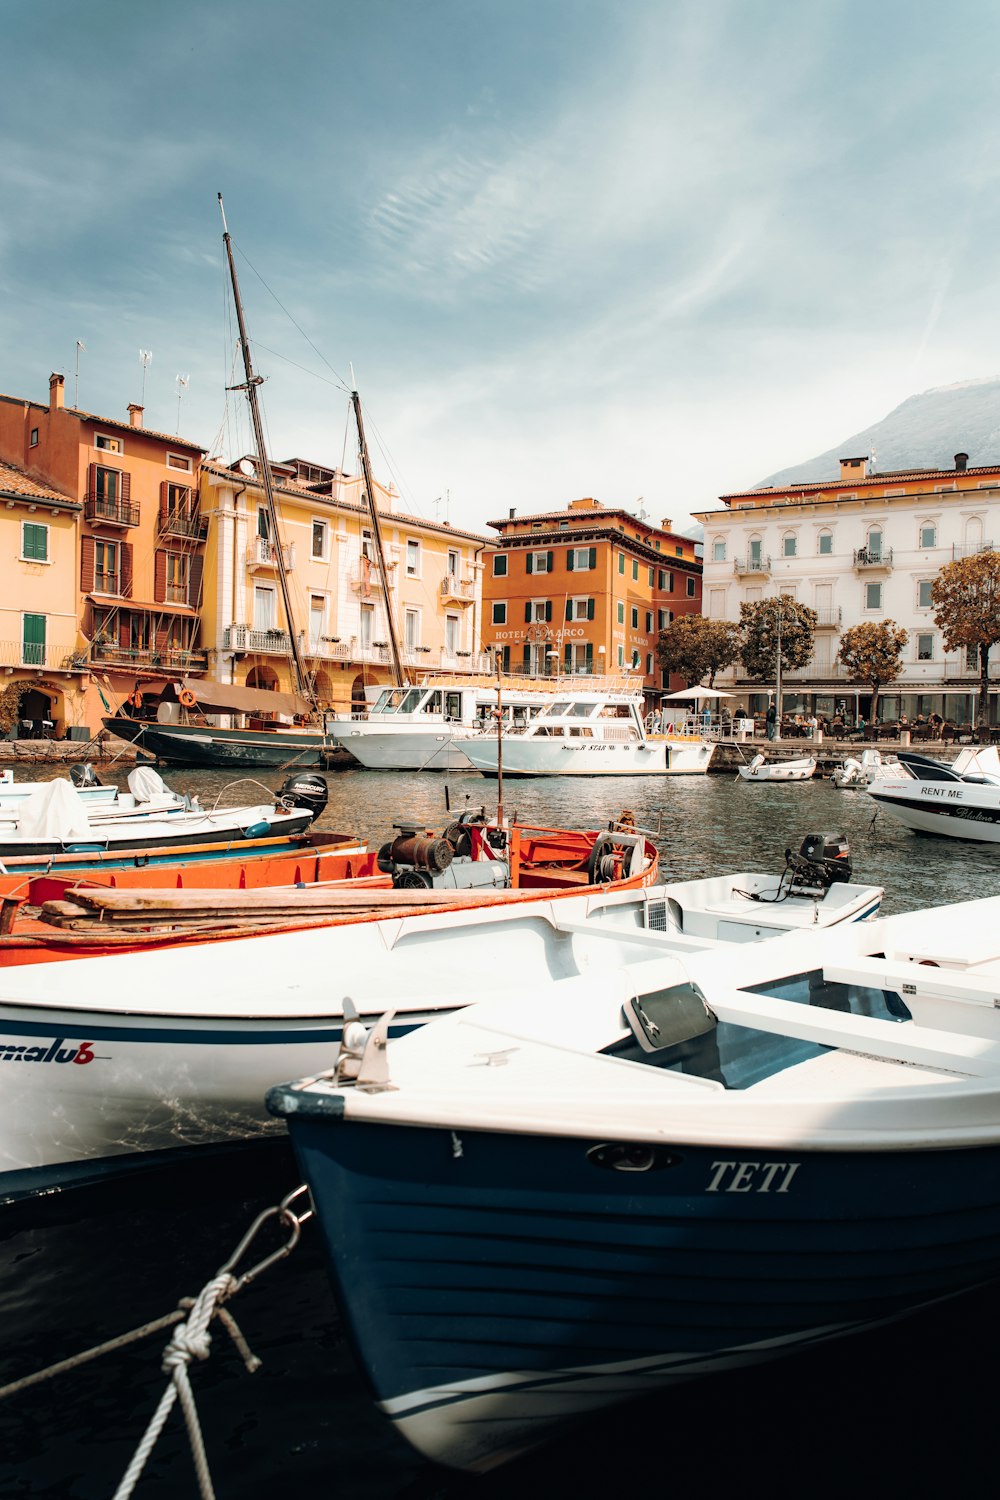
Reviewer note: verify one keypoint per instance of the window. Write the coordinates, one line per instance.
(451, 634)
(177, 577)
(108, 444)
(499, 613)
(649, 620)
(413, 559)
(652, 577)
(317, 620)
(34, 542)
(106, 567)
(972, 658)
(928, 535)
(824, 543)
(579, 609)
(621, 562)
(537, 611)
(411, 629)
(178, 461)
(319, 541)
(581, 559)
(539, 562)
(499, 565)
(661, 580)
(367, 626)
(925, 647)
(664, 617)
(34, 437)
(635, 570)
(691, 586)
(649, 663)
(635, 618)
(33, 640)
(367, 545)
(718, 551)
(679, 551)
(789, 546)
(875, 545)
(621, 613)
(453, 560)
(621, 656)
(924, 587)
(108, 485)
(755, 550)
(873, 596)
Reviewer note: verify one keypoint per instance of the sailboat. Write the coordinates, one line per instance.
(268, 728)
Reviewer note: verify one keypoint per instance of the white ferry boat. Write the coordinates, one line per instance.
(589, 734)
(419, 728)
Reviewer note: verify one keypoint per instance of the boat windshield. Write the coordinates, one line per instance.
(554, 710)
(393, 701)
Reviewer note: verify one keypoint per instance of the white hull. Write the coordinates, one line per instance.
(788, 770)
(660, 755)
(405, 749)
(183, 1044)
(948, 809)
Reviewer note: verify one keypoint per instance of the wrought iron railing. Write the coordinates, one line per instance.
(116, 512)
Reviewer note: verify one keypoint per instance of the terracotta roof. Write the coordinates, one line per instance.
(89, 416)
(15, 483)
(224, 472)
(829, 487)
(591, 516)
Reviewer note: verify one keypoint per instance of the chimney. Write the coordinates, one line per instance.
(853, 468)
(135, 414)
(667, 523)
(57, 392)
(512, 513)
(961, 461)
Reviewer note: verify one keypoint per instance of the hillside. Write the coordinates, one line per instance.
(924, 431)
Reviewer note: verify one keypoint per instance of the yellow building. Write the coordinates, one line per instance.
(42, 672)
(335, 589)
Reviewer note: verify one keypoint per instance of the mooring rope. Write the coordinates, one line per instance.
(190, 1340)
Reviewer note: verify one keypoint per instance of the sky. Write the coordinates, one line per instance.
(643, 250)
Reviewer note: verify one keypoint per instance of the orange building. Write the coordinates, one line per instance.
(586, 590)
(141, 538)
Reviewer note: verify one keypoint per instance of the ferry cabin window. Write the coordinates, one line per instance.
(410, 699)
(499, 565)
(924, 587)
(433, 704)
(453, 706)
(554, 710)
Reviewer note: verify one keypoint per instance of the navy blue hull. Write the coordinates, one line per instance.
(518, 1269)
(297, 751)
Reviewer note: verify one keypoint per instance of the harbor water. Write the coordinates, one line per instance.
(907, 1408)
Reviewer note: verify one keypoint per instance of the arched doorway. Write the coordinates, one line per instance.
(358, 700)
(323, 688)
(262, 677)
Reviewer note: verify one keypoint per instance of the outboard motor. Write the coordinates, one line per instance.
(307, 790)
(823, 860)
(83, 774)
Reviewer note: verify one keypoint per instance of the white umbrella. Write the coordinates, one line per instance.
(693, 695)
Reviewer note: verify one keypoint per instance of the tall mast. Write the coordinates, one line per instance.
(252, 382)
(399, 675)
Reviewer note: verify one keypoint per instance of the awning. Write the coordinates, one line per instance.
(693, 695)
(226, 697)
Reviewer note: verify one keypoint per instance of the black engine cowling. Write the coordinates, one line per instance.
(824, 859)
(307, 790)
(83, 774)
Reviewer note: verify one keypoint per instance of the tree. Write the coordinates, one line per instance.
(693, 645)
(873, 653)
(966, 600)
(763, 622)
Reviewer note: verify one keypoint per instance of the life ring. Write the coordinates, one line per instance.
(186, 698)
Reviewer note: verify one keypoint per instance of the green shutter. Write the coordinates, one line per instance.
(527, 613)
(527, 657)
(590, 609)
(568, 658)
(593, 557)
(33, 640)
(621, 562)
(569, 609)
(590, 656)
(529, 563)
(569, 560)
(548, 611)
(550, 559)
(35, 542)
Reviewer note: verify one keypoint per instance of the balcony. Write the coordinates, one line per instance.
(263, 553)
(144, 659)
(459, 590)
(867, 560)
(752, 567)
(181, 523)
(107, 583)
(956, 669)
(264, 642)
(972, 550)
(829, 619)
(34, 654)
(366, 577)
(110, 512)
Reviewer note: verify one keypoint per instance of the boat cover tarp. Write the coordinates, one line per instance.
(55, 811)
(144, 783)
(227, 697)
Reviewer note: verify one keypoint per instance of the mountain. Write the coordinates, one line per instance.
(923, 432)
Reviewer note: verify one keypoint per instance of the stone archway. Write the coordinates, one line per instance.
(323, 689)
(358, 700)
(262, 677)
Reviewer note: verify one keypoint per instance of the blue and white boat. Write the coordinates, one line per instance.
(564, 1198)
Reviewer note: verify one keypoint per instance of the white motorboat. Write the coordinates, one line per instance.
(56, 820)
(589, 733)
(960, 801)
(577, 1194)
(761, 769)
(105, 1058)
(420, 728)
(857, 773)
(14, 793)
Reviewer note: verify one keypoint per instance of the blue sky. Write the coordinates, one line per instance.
(627, 250)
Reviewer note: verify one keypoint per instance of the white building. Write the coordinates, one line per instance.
(863, 547)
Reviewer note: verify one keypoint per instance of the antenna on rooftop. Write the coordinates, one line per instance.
(641, 513)
(145, 355)
(183, 381)
(76, 390)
